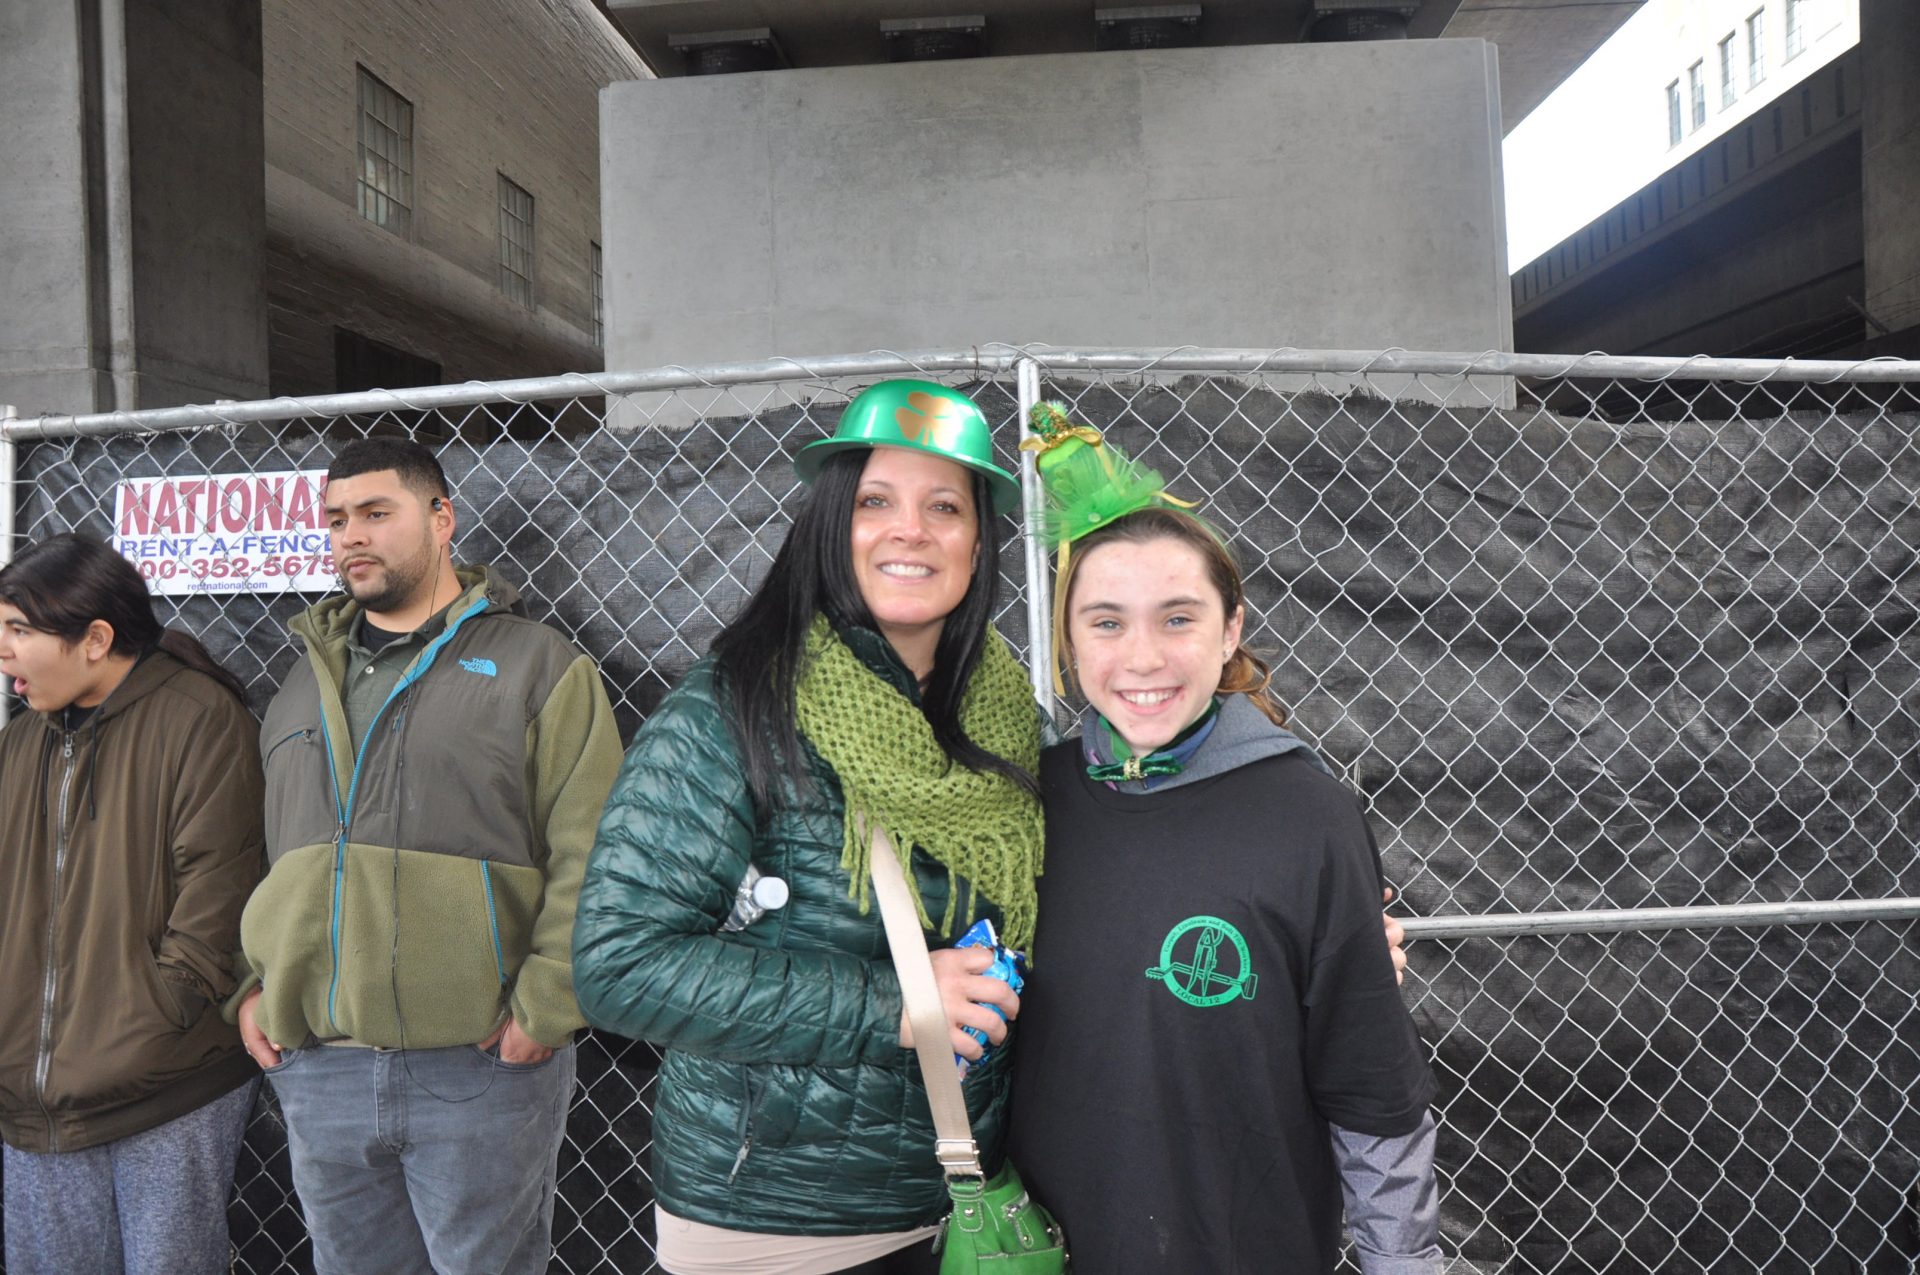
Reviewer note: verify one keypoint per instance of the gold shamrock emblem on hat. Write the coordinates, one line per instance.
(939, 419)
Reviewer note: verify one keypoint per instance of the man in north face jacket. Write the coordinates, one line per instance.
(435, 767)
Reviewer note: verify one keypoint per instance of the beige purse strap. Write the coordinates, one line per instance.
(953, 1132)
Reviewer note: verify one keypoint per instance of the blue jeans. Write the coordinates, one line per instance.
(410, 1162)
(154, 1203)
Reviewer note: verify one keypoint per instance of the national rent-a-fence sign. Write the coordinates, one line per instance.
(226, 533)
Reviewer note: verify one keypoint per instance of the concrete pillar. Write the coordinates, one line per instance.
(133, 210)
(1890, 171)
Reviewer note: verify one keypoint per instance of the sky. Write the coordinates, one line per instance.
(1596, 138)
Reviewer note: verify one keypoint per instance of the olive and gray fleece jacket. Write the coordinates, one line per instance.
(423, 888)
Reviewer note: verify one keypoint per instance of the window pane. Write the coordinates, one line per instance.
(386, 155)
(516, 241)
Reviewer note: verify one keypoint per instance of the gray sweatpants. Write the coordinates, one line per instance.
(154, 1203)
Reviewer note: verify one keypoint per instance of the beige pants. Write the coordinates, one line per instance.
(693, 1248)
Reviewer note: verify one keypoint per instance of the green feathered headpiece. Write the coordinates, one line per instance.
(1088, 483)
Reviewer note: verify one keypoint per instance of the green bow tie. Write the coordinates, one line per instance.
(1169, 759)
(1133, 768)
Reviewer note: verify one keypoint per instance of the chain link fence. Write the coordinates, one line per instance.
(1623, 654)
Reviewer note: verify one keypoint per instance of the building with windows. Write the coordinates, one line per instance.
(1783, 225)
(1739, 55)
(433, 197)
(254, 197)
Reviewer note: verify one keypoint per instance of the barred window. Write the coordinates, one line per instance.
(1727, 90)
(599, 296)
(386, 155)
(1756, 47)
(1674, 124)
(516, 241)
(1697, 92)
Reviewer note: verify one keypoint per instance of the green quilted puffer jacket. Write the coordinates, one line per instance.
(786, 1104)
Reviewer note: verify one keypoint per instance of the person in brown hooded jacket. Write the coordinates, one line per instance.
(130, 839)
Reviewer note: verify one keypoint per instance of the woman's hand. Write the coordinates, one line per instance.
(965, 994)
(1396, 935)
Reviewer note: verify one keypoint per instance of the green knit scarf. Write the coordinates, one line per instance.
(981, 826)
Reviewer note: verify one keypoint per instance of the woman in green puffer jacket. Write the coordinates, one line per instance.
(861, 685)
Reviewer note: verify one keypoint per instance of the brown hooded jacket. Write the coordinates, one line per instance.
(128, 847)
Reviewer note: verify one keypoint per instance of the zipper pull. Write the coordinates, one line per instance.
(340, 833)
(66, 745)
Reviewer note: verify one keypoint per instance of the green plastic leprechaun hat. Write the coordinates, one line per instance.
(921, 416)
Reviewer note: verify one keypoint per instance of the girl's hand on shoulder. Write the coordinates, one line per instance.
(965, 994)
(1396, 938)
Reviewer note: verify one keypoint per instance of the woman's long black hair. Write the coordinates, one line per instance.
(64, 583)
(759, 654)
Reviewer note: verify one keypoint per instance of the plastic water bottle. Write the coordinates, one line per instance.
(1009, 966)
(758, 895)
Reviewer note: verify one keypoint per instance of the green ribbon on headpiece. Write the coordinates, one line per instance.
(1052, 428)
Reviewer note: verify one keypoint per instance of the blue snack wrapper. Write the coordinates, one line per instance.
(1009, 966)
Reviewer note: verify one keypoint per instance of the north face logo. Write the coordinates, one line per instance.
(483, 667)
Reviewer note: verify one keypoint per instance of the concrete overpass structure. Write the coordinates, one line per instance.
(1540, 42)
(1792, 235)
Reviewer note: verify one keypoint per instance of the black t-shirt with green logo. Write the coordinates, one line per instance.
(1210, 988)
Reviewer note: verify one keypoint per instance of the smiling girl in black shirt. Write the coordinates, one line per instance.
(1214, 1047)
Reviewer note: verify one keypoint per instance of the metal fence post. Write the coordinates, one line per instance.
(1039, 582)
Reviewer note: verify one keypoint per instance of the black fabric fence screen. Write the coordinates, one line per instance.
(1586, 641)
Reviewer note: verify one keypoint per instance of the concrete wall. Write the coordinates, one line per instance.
(497, 86)
(1311, 195)
(199, 211)
(131, 216)
(46, 338)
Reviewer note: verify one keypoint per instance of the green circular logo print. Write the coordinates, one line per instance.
(1192, 968)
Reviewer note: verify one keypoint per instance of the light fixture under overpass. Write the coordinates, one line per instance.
(1335, 20)
(1148, 26)
(935, 39)
(727, 52)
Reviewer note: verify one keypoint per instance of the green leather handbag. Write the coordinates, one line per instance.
(996, 1228)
